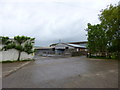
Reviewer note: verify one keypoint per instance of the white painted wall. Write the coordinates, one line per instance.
(12, 54)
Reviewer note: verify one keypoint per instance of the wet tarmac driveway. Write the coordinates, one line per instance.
(71, 72)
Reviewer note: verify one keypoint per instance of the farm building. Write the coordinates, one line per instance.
(44, 50)
(63, 49)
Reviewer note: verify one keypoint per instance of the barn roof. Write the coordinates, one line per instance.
(43, 47)
(77, 46)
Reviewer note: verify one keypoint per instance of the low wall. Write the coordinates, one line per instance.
(12, 54)
(79, 53)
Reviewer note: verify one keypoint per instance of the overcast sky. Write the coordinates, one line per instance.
(50, 20)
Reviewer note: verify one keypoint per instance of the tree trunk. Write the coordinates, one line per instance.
(109, 55)
(19, 54)
(103, 54)
(90, 54)
(118, 55)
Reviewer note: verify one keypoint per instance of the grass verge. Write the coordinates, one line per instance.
(99, 57)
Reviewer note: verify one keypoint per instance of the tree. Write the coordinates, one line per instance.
(97, 40)
(20, 43)
(110, 19)
(106, 35)
(4, 40)
(23, 44)
(6, 43)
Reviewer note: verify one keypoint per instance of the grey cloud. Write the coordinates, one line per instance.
(50, 21)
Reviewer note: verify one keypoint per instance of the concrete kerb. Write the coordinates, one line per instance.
(15, 69)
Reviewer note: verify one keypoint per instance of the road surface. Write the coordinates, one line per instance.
(71, 72)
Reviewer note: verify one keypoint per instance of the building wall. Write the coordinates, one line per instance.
(12, 54)
(63, 49)
(44, 51)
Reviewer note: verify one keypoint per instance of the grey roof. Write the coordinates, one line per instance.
(37, 47)
(76, 45)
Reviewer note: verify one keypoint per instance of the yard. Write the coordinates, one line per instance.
(69, 72)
